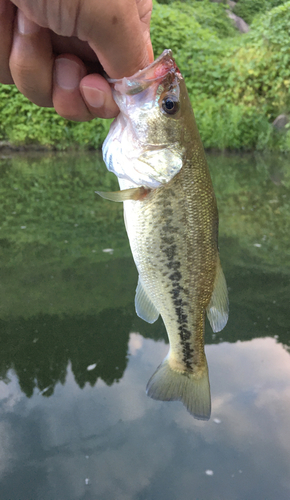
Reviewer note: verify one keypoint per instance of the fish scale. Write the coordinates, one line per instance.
(171, 219)
(171, 262)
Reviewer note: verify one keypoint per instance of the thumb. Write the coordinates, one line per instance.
(119, 40)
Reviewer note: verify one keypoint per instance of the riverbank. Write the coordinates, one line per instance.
(238, 82)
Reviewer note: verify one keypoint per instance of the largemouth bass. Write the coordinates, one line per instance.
(171, 218)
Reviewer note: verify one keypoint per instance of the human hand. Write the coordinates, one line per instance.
(55, 51)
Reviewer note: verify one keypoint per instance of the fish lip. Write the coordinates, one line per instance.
(155, 72)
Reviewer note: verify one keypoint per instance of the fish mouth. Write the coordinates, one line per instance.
(164, 65)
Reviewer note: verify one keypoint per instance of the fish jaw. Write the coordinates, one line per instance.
(155, 72)
(143, 145)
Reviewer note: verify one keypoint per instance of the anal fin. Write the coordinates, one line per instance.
(144, 305)
(218, 307)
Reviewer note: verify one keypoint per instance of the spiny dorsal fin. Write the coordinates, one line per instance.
(218, 308)
(138, 193)
(144, 305)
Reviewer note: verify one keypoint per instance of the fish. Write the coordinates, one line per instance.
(171, 218)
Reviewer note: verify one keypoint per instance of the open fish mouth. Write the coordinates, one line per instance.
(162, 67)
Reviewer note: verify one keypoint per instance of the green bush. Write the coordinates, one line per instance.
(209, 15)
(248, 9)
(228, 126)
(25, 123)
(238, 84)
(262, 63)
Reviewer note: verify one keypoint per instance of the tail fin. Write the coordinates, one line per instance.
(193, 390)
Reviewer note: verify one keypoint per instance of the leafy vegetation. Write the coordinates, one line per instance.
(247, 9)
(25, 123)
(238, 84)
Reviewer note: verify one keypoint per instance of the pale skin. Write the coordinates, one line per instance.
(56, 51)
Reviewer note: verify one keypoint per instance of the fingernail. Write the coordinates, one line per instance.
(94, 97)
(25, 26)
(67, 73)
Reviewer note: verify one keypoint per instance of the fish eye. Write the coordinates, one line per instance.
(170, 105)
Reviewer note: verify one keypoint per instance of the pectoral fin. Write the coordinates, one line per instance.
(144, 305)
(126, 194)
(218, 308)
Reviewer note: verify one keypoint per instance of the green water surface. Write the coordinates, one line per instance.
(75, 422)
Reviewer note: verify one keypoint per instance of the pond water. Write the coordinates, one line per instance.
(75, 422)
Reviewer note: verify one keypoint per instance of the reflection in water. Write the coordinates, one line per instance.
(75, 359)
(40, 349)
(116, 443)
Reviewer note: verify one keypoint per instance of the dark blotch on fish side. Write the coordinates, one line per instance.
(175, 292)
(168, 240)
(170, 252)
(187, 354)
(173, 265)
(169, 248)
(114, 20)
(176, 276)
(169, 229)
(167, 212)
